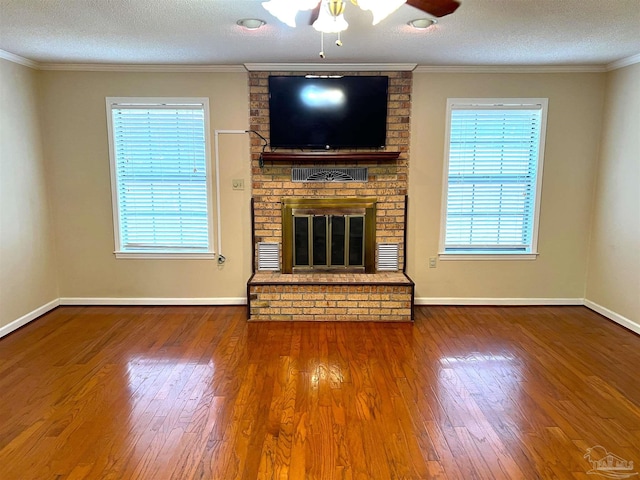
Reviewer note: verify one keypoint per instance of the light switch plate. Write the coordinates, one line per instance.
(237, 184)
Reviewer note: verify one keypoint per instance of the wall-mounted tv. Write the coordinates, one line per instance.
(327, 113)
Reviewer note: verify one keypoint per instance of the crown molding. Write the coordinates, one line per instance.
(623, 62)
(510, 69)
(319, 67)
(158, 68)
(330, 67)
(12, 57)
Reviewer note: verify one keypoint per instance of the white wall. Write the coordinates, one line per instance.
(613, 281)
(574, 230)
(27, 262)
(573, 132)
(77, 151)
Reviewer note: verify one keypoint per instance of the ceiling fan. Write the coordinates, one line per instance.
(436, 8)
(327, 16)
(286, 10)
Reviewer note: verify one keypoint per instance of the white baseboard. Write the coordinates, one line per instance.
(611, 315)
(152, 301)
(619, 319)
(496, 301)
(23, 320)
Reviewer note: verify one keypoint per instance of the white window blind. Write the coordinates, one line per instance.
(492, 179)
(159, 154)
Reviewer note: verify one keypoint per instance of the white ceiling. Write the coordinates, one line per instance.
(204, 32)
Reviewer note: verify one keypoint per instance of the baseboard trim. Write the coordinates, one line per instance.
(611, 315)
(29, 317)
(152, 301)
(497, 301)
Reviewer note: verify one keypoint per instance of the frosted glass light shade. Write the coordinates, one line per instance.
(327, 23)
(306, 4)
(381, 9)
(286, 10)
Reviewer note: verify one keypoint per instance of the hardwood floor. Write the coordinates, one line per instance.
(197, 392)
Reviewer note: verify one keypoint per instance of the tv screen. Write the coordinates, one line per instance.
(328, 113)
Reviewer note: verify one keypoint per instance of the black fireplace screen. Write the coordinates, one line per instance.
(336, 234)
(328, 241)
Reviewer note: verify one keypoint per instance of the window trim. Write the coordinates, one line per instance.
(543, 103)
(160, 102)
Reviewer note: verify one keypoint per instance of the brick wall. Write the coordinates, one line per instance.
(387, 180)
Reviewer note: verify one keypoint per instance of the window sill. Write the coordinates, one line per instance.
(487, 256)
(166, 255)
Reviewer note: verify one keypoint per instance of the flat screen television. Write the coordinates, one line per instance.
(328, 113)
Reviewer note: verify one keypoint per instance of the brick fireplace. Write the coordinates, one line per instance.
(332, 290)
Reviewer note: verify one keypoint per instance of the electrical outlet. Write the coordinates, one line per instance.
(237, 184)
(432, 262)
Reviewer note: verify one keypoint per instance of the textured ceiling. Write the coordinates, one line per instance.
(480, 32)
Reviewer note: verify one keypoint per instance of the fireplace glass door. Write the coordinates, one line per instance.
(329, 234)
(328, 242)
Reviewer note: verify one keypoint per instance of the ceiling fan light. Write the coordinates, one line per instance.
(327, 23)
(283, 10)
(381, 9)
(422, 23)
(331, 24)
(306, 4)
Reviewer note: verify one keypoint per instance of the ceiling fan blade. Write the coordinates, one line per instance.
(314, 14)
(437, 8)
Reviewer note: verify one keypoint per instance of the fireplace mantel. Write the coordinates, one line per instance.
(329, 156)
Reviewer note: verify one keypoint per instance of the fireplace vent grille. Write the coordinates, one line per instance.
(268, 256)
(388, 256)
(310, 174)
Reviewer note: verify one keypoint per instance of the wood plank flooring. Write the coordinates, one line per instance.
(199, 393)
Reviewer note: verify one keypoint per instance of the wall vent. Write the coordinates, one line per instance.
(388, 257)
(268, 256)
(310, 174)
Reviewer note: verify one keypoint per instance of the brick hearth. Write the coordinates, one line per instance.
(386, 297)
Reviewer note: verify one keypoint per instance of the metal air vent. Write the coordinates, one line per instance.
(310, 174)
(268, 256)
(388, 257)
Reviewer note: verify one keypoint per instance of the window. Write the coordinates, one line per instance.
(159, 152)
(492, 178)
